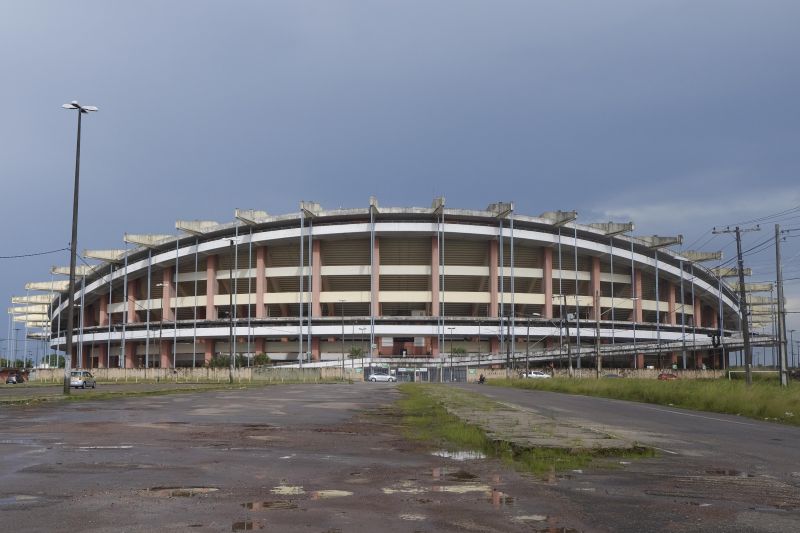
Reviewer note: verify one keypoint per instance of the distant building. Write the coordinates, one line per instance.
(412, 281)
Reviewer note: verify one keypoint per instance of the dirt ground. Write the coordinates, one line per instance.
(330, 458)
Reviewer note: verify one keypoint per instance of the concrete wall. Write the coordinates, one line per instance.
(206, 375)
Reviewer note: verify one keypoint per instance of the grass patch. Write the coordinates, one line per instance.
(763, 400)
(426, 420)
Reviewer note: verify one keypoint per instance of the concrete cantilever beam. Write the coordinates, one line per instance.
(698, 257)
(437, 205)
(559, 218)
(501, 209)
(310, 209)
(251, 217)
(613, 228)
(109, 256)
(730, 272)
(147, 240)
(32, 299)
(655, 242)
(36, 309)
(196, 227)
(754, 300)
(49, 286)
(373, 204)
(753, 287)
(80, 270)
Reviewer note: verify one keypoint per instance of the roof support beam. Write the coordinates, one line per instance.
(613, 228)
(699, 257)
(196, 227)
(559, 218)
(655, 242)
(147, 240)
(251, 217)
(109, 256)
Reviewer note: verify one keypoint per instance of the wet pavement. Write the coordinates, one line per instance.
(330, 458)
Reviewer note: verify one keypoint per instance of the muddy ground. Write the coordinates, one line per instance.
(331, 458)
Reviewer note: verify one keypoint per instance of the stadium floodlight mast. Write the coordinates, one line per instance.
(73, 243)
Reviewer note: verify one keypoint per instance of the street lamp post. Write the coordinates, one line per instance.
(73, 245)
(341, 302)
(362, 330)
(451, 328)
(230, 316)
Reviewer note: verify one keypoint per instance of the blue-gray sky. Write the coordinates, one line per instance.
(679, 114)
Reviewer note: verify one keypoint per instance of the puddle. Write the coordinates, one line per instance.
(178, 492)
(277, 504)
(531, 518)
(461, 475)
(412, 517)
(462, 489)
(460, 455)
(19, 498)
(404, 487)
(104, 447)
(326, 494)
(246, 525)
(728, 472)
(288, 490)
(499, 499)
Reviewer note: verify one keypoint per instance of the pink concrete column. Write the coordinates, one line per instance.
(698, 312)
(316, 278)
(102, 357)
(434, 346)
(434, 281)
(671, 312)
(133, 315)
(596, 308)
(698, 359)
(103, 311)
(493, 278)
(209, 351)
(494, 345)
(259, 342)
(164, 351)
(714, 320)
(547, 281)
(261, 280)
(639, 360)
(130, 354)
(637, 304)
(166, 294)
(315, 348)
(88, 316)
(376, 276)
(211, 287)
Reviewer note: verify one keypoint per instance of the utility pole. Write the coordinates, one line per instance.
(781, 319)
(599, 358)
(748, 352)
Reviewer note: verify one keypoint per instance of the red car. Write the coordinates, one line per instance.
(665, 376)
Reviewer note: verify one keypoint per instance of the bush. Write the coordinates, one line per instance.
(356, 352)
(459, 351)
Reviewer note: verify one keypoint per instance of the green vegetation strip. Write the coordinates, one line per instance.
(765, 401)
(427, 420)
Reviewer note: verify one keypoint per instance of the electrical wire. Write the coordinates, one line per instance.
(34, 254)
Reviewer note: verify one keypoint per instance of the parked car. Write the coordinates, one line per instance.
(666, 376)
(13, 379)
(382, 377)
(82, 379)
(536, 374)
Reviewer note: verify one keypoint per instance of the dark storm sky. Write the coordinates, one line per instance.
(680, 115)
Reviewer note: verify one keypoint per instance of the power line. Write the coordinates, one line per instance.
(33, 254)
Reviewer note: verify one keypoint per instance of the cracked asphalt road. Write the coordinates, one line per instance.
(331, 458)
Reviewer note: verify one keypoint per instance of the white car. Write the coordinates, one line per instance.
(536, 374)
(382, 377)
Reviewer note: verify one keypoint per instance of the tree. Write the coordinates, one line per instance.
(356, 352)
(459, 351)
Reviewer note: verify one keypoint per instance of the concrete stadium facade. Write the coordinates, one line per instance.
(315, 284)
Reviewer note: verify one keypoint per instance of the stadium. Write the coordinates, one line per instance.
(321, 285)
